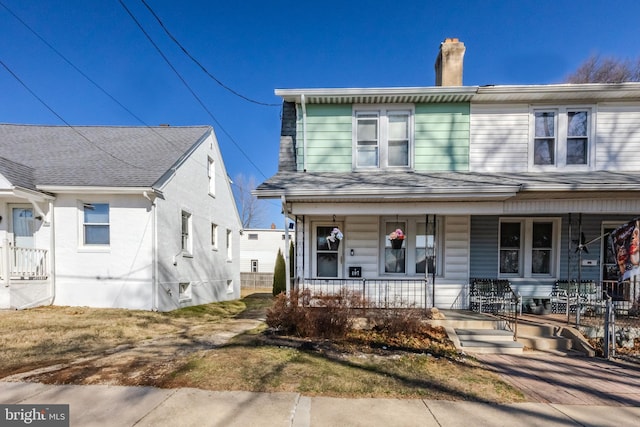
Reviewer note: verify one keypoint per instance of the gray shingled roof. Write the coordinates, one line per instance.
(371, 185)
(19, 175)
(108, 156)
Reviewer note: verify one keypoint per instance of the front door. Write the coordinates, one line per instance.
(22, 223)
(327, 248)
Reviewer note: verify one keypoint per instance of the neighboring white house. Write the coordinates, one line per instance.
(259, 248)
(128, 217)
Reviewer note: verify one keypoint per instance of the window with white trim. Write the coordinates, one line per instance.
(229, 245)
(419, 253)
(382, 137)
(186, 230)
(561, 138)
(254, 265)
(528, 247)
(95, 224)
(214, 236)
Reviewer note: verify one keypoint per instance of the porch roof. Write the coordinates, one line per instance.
(463, 186)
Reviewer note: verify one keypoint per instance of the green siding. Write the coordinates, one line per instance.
(441, 137)
(329, 145)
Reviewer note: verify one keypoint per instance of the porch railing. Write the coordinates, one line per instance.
(496, 297)
(376, 293)
(24, 263)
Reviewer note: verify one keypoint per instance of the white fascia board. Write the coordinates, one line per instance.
(419, 208)
(31, 195)
(95, 190)
(294, 95)
(443, 194)
(578, 187)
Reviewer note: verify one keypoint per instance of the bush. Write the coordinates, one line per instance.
(279, 275)
(313, 316)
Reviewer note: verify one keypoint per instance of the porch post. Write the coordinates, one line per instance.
(286, 249)
(6, 256)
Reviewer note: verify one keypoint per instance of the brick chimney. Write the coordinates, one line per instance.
(449, 63)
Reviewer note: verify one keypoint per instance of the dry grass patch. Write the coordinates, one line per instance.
(46, 336)
(351, 368)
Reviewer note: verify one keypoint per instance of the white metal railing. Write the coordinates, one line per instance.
(24, 263)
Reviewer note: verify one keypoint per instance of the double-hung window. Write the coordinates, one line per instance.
(382, 138)
(529, 247)
(418, 254)
(95, 224)
(561, 137)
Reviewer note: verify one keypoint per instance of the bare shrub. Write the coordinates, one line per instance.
(408, 321)
(314, 315)
(286, 315)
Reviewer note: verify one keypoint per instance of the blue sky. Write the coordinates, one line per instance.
(254, 47)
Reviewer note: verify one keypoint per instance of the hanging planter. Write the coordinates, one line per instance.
(333, 240)
(397, 238)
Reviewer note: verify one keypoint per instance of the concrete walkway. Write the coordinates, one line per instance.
(548, 378)
(100, 405)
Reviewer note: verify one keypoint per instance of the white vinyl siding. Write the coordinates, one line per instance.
(456, 247)
(618, 135)
(499, 138)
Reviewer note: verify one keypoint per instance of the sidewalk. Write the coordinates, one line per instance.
(101, 405)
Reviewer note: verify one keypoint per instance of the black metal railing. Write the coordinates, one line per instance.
(375, 293)
(497, 297)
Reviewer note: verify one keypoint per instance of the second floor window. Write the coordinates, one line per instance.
(561, 137)
(382, 138)
(186, 233)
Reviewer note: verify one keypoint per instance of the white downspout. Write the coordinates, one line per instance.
(304, 132)
(286, 245)
(154, 253)
(52, 253)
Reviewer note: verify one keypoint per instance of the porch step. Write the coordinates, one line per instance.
(546, 343)
(488, 341)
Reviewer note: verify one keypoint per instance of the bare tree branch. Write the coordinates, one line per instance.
(250, 208)
(597, 69)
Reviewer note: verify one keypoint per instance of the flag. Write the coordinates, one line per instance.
(625, 242)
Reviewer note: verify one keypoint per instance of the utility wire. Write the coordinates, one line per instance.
(15, 76)
(202, 67)
(83, 74)
(189, 87)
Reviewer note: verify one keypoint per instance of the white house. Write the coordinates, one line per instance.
(128, 217)
(259, 248)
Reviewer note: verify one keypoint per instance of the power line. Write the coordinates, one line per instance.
(189, 87)
(202, 67)
(15, 76)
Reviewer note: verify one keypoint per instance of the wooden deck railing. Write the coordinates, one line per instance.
(24, 263)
